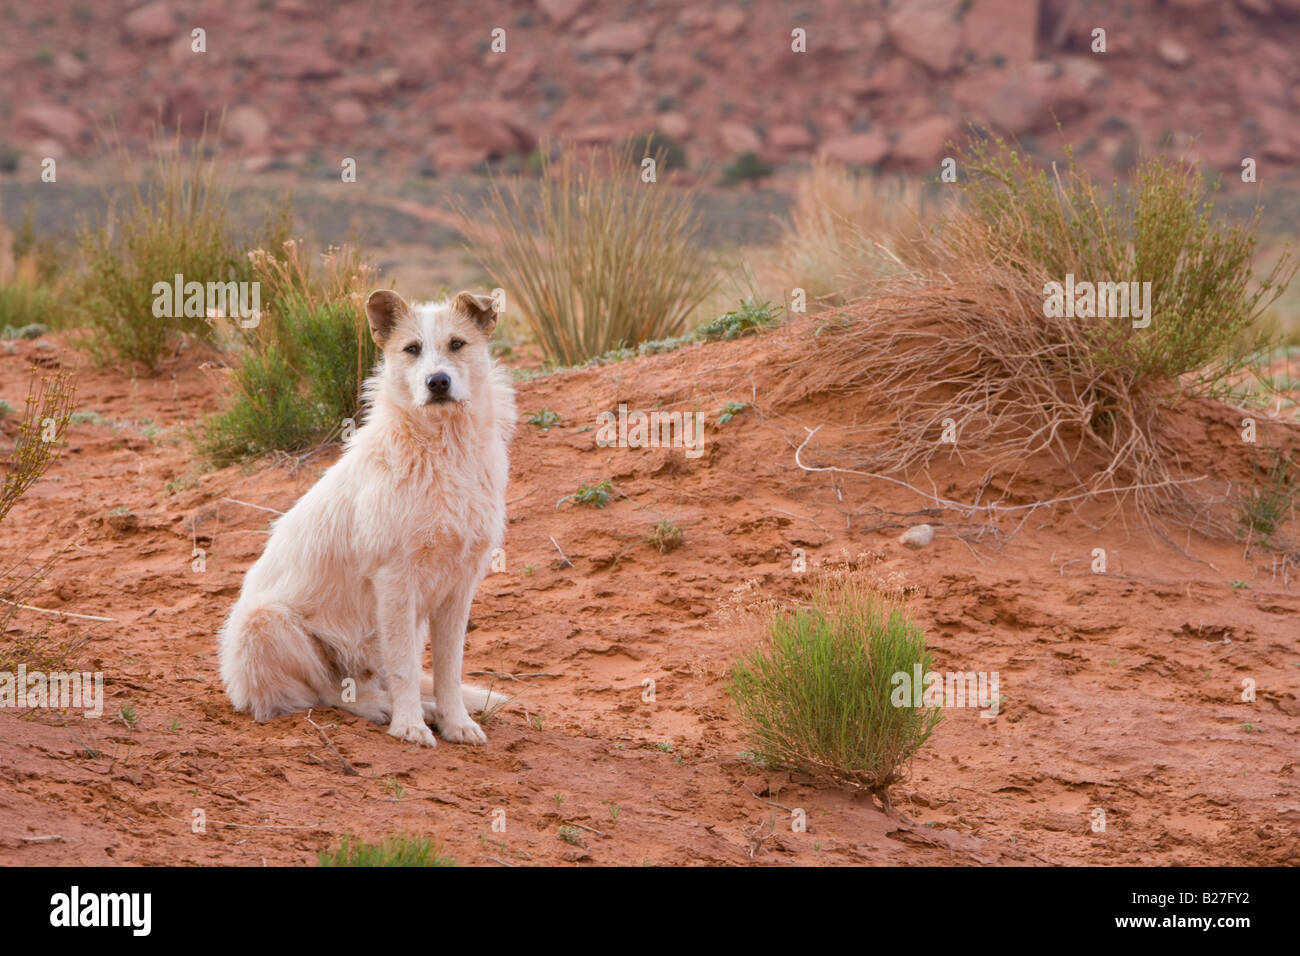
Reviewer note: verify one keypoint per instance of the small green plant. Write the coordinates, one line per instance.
(1241, 585)
(595, 496)
(6, 408)
(751, 316)
(570, 835)
(126, 714)
(667, 536)
(730, 411)
(394, 789)
(1270, 500)
(398, 850)
(671, 154)
(32, 330)
(817, 695)
(747, 167)
(528, 570)
(544, 418)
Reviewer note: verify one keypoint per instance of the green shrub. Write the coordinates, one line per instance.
(745, 168)
(399, 850)
(1205, 300)
(598, 259)
(305, 361)
(815, 696)
(177, 221)
(671, 154)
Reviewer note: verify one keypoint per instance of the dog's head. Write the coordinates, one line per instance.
(437, 356)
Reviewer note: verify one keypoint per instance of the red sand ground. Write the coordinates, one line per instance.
(1122, 689)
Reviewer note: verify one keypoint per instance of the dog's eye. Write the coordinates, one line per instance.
(456, 344)
(412, 349)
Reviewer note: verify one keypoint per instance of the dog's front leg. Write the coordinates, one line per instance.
(447, 634)
(402, 645)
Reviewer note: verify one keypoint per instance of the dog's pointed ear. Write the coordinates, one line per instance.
(383, 309)
(481, 308)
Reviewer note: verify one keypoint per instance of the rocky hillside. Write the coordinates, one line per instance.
(442, 87)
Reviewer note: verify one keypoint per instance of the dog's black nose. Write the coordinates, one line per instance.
(439, 383)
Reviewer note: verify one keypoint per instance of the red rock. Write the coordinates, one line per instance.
(790, 137)
(492, 128)
(456, 158)
(927, 31)
(623, 39)
(857, 149)
(186, 107)
(46, 148)
(348, 112)
(247, 126)
(69, 69)
(596, 134)
(1259, 8)
(673, 125)
(1019, 101)
(561, 12)
(1173, 52)
(152, 23)
(730, 21)
(304, 63)
(924, 142)
(59, 123)
(518, 74)
(739, 138)
(1002, 28)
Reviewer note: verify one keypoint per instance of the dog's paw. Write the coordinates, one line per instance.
(414, 733)
(462, 731)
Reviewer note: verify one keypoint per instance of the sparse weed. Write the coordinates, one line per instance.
(595, 496)
(398, 850)
(667, 536)
(544, 418)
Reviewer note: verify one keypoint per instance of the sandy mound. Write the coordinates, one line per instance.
(1122, 690)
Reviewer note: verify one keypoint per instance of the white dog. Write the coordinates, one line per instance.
(388, 548)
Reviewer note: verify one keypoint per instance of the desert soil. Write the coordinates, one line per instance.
(1122, 690)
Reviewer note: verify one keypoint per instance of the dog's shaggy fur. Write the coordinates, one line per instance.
(386, 551)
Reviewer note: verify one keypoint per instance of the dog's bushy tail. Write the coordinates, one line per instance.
(270, 665)
(477, 699)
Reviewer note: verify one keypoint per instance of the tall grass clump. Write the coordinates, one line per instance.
(399, 850)
(848, 233)
(976, 346)
(177, 220)
(303, 363)
(815, 695)
(29, 301)
(595, 258)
